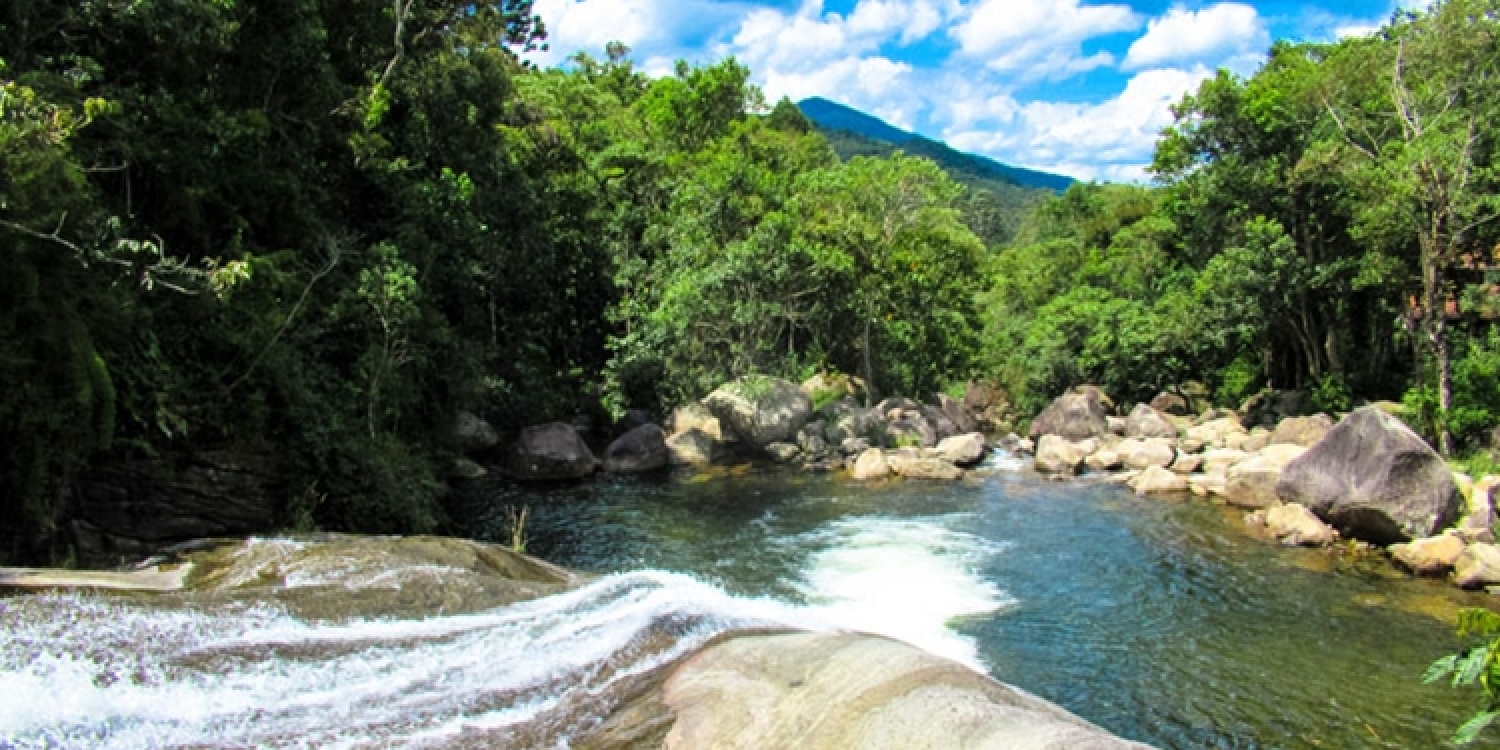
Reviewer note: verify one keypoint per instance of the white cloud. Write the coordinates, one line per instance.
(588, 25)
(811, 52)
(1111, 140)
(1039, 39)
(1355, 29)
(1212, 35)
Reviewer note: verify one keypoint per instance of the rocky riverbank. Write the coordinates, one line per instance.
(1304, 479)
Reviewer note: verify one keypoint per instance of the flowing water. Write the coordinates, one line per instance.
(1159, 620)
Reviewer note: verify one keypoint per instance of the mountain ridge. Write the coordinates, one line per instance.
(832, 118)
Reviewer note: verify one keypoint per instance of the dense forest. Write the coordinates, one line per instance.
(324, 227)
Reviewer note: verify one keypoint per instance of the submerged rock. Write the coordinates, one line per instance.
(813, 691)
(1374, 479)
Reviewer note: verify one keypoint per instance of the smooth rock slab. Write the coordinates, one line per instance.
(821, 691)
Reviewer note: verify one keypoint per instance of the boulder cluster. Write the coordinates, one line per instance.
(1306, 480)
(775, 418)
(821, 425)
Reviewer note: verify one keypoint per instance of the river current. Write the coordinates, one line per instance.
(1160, 620)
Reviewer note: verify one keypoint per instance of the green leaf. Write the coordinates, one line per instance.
(1471, 728)
(1440, 669)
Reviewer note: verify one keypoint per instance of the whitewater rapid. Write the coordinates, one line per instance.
(86, 671)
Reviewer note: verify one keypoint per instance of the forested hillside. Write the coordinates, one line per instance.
(322, 228)
(1327, 224)
(319, 229)
(1000, 196)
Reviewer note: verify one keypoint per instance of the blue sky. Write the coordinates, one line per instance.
(1077, 87)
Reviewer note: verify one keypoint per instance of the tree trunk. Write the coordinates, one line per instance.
(1445, 383)
(869, 366)
(1436, 315)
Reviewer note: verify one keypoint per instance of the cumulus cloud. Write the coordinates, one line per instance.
(813, 52)
(1039, 39)
(588, 25)
(1111, 140)
(1212, 35)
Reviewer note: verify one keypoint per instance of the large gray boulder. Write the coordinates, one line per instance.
(942, 425)
(954, 410)
(1076, 415)
(641, 449)
(550, 451)
(761, 410)
(1146, 422)
(831, 691)
(910, 428)
(1372, 478)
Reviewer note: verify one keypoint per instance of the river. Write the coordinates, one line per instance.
(1160, 620)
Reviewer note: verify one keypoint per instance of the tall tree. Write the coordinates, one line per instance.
(1423, 149)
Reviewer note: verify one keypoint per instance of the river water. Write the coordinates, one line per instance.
(1160, 620)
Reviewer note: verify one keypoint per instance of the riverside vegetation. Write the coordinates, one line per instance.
(318, 230)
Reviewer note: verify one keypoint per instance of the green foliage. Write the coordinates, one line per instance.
(1479, 665)
(1475, 408)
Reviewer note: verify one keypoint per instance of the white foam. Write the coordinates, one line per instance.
(101, 673)
(905, 579)
(83, 671)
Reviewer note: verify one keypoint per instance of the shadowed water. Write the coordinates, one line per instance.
(1161, 620)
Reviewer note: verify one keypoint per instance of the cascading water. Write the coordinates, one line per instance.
(109, 672)
(1159, 620)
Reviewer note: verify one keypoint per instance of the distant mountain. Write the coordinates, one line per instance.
(839, 123)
